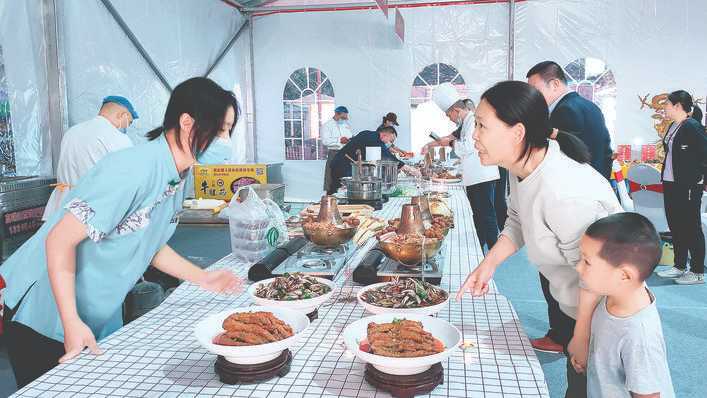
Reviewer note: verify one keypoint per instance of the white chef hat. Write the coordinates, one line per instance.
(445, 95)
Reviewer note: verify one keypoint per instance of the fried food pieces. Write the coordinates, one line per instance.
(446, 175)
(402, 339)
(252, 328)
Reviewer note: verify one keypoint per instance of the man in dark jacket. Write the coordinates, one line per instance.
(574, 114)
(383, 138)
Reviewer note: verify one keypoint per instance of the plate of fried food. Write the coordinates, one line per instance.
(446, 177)
(404, 295)
(296, 291)
(251, 335)
(402, 344)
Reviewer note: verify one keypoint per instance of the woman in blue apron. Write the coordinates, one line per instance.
(66, 285)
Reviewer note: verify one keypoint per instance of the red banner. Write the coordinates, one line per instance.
(383, 5)
(648, 152)
(624, 153)
(399, 25)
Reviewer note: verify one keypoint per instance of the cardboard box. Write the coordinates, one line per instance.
(223, 181)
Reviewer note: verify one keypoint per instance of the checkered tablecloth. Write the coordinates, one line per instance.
(158, 356)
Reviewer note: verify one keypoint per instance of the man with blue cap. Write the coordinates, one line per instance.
(84, 144)
(334, 134)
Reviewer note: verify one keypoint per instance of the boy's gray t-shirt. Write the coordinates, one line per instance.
(627, 355)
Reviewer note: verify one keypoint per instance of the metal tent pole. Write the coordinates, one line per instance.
(227, 48)
(119, 20)
(511, 37)
(253, 133)
(57, 112)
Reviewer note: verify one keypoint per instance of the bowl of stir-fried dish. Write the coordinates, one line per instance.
(296, 291)
(251, 335)
(402, 344)
(403, 296)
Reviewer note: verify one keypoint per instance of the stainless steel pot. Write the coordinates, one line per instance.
(365, 170)
(387, 171)
(367, 189)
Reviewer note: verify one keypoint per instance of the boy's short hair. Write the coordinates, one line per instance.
(628, 238)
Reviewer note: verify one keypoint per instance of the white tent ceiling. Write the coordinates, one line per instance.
(371, 69)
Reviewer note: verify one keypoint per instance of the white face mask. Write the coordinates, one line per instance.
(219, 152)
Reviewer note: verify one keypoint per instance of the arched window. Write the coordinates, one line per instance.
(7, 149)
(593, 80)
(425, 116)
(308, 102)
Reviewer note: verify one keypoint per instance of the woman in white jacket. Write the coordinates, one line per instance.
(555, 196)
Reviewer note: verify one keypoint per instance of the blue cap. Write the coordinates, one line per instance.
(341, 109)
(116, 99)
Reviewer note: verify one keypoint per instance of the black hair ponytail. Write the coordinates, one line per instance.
(697, 113)
(573, 147)
(685, 100)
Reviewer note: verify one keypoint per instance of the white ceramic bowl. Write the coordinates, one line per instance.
(305, 305)
(450, 336)
(211, 326)
(375, 309)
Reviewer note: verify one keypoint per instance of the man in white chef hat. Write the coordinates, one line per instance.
(478, 179)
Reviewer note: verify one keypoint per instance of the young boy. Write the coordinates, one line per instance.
(626, 351)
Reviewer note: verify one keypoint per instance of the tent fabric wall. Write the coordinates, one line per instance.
(652, 46)
(371, 70)
(182, 37)
(23, 51)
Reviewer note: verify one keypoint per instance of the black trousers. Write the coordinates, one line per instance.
(561, 331)
(31, 354)
(330, 186)
(557, 319)
(501, 190)
(682, 210)
(334, 183)
(481, 197)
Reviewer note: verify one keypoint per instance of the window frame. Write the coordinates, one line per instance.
(8, 160)
(610, 92)
(295, 112)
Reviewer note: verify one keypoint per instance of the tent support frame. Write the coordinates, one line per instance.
(136, 43)
(57, 103)
(227, 48)
(511, 37)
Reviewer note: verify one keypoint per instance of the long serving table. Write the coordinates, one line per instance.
(157, 355)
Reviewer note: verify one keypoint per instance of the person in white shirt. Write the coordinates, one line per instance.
(334, 134)
(479, 180)
(84, 144)
(555, 196)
